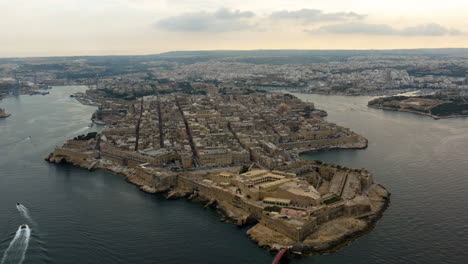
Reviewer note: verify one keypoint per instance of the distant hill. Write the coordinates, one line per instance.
(250, 56)
(270, 53)
(299, 56)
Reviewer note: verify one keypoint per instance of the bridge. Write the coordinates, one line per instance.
(279, 256)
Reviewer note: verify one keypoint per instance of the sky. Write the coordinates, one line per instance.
(126, 27)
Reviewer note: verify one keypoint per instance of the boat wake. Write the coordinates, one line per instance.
(16, 251)
(24, 212)
(16, 142)
(77, 132)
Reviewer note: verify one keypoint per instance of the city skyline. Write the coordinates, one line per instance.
(132, 27)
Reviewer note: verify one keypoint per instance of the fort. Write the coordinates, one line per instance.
(292, 205)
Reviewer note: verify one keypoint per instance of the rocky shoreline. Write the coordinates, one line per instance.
(228, 214)
(127, 174)
(362, 144)
(416, 112)
(327, 237)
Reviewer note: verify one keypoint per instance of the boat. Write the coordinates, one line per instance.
(18, 204)
(4, 114)
(24, 226)
(97, 122)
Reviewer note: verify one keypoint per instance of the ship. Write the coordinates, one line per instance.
(4, 114)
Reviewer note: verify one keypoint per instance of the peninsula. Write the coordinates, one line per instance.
(439, 105)
(239, 153)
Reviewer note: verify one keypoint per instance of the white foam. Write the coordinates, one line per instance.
(16, 251)
(24, 212)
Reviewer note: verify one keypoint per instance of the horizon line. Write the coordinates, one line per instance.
(221, 50)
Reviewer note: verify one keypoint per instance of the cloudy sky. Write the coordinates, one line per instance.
(98, 27)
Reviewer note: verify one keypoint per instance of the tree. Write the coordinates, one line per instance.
(244, 169)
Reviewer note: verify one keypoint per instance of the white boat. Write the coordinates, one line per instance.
(97, 122)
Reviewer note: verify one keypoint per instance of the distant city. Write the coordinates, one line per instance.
(325, 72)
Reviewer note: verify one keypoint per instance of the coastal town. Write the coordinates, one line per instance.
(332, 72)
(239, 153)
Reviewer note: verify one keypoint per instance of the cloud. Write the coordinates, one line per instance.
(222, 20)
(355, 28)
(315, 15)
(382, 29)
(429, 30)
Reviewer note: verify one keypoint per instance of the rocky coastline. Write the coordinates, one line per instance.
(327, 237)
(438, 106)
(415, 112)
(362, 143)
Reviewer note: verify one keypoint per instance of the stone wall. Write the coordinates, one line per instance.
(75, 157)
(78, 144)
(281, 226)
(155, 179)
(133, 159)
(219, 194)
(304, 201)
(305, 144)
(255, 211)
(340, 209)
(297, 233)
